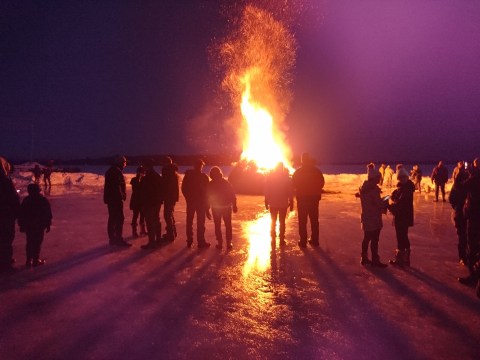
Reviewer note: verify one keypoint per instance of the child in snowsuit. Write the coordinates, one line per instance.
(34, 219)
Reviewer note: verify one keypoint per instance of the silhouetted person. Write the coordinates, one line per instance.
(114, 194)
(440, 178)
(222, 200)
(35, 218)
(170, 197)
(472, 216)
(47, 173)
(151, 197)
(308, 183)
(416, 176)
(381, 169)
(37, 173)
(401, 206)
(457, 199)
(371, 217)
(278, 199)
(138, 218)
(9, 206)
(194, 189)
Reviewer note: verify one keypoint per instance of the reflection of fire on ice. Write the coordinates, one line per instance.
(258, 58)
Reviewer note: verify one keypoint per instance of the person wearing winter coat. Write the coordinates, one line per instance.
(278, 199)
(194, 189)
(440, 178)
(457, 199)
(9, 206)
(371, 218)
(114, 194)
(401, 206)
(416, 176)
(388, 176)
(138, 218)
(170, 197)
(34, 219)
(222, 200)
(151, 190)
(308, 183)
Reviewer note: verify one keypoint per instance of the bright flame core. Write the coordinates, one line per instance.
(259, 143)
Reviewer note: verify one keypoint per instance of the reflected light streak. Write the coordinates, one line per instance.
(258, 233)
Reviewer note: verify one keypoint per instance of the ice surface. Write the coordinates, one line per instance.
(91, 301)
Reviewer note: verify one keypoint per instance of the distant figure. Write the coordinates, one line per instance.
(388, 176)
(35, 218)
(194, 189)
(457, 199)
(136, 203)
(401, 206)
(472, 215)
(278, 199)
(440, 178)
(170, 197)
(371, 217)
(47, 173)
(151, 199)
(308, 183)
(9, 206)
(222, 200)
(37, 173)
(114, 194)
(416, 177)
(381, 170)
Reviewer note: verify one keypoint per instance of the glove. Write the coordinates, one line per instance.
(235, 209)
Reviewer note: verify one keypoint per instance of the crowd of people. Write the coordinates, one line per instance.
(213, 197)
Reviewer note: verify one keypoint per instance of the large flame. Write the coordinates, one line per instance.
(259, 58)
(262, 142)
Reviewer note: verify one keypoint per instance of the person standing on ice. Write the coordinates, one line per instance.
(457, 198)
(371, 218)
(34, 219)
(222, 200)
(401, 206)
(138, 218)
(151, 190)
(194, 189)
(472, 215)
(308, 183)
(440, 178)
(170, 197)
(278, 199)
(9, 205)
(388, 176)
(114, 194)
(416, 176)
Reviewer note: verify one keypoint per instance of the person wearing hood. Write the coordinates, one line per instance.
(9, 205)
(114, 194)
(401, 206)
(371, 218)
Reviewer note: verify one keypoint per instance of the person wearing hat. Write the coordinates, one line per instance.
(194, 189)
(136, 204)
(401, 206)
(371, 218)
(114, 194)
(9, 205)
(308, 183)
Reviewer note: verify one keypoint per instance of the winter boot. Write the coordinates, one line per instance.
(377, 263)
(406, 257)
(364, 260)
(399, 258)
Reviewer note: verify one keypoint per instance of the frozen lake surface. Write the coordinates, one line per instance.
(91, 301)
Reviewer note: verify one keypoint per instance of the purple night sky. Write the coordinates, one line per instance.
(374, 80)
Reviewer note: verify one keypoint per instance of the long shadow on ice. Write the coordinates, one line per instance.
(363, 332)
